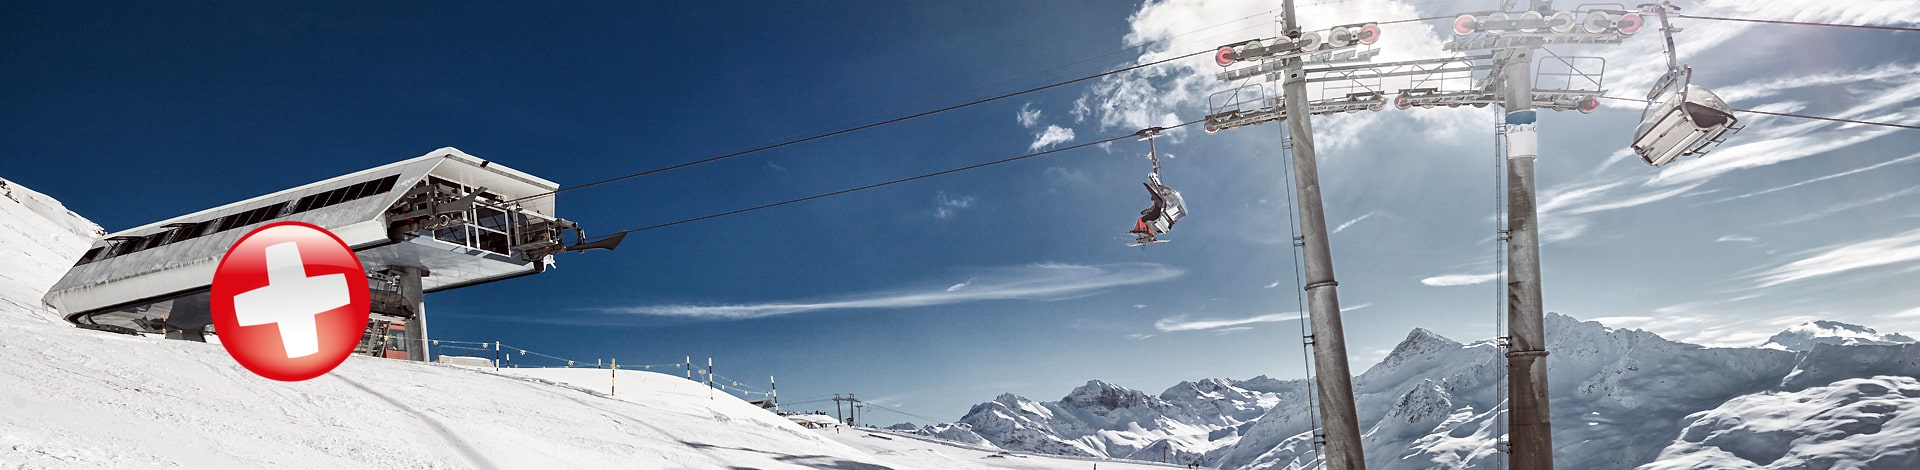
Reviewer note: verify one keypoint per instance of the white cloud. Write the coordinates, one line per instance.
(1138, 336)
(1629, 67)
(957, 287)
(1042, 282)
(1183, 323)
(1762, 153)
(1773, 86)
(1080, 110)
(1271, 285)
(1632, 201)
(1828, 177)
(1562, 197)
(1236, 329)
(1617, 157)
(946, 207)
(1851, 206)
(1450, 280)
(1157, 96)
(1051, 136)
(1028, 117)
(1736, 238)
(1902, 248)
(1343, 226)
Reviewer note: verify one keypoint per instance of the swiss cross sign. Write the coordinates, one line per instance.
(289, 301)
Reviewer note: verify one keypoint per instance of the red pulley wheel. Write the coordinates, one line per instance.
(1631, 23)
(1465, 24)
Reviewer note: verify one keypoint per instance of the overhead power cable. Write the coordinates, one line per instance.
(892, 182)
(1803, 23)
(1792, 115)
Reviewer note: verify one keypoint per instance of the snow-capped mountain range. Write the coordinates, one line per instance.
(1819, 395)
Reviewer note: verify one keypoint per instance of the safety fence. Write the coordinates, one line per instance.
(510, 356)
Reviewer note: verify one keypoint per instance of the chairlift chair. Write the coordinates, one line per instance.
(1683, 124)
(1167, 208)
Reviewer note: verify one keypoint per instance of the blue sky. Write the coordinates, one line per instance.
(934, 295)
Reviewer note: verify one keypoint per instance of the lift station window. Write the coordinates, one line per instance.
(180, 232)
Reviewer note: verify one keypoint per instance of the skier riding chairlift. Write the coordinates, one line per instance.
(1167, 207)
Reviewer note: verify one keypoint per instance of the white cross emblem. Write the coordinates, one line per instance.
(291, 300)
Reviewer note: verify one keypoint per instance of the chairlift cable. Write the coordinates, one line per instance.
(867, 126)
(1410, 20)
(1061, 66)
(920, 114)
(1793, 115)
(1802, 23)
(891, 182)
(911, 415)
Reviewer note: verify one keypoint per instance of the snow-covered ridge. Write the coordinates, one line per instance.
(1804, 336)
(39, 239)
(1621, 398)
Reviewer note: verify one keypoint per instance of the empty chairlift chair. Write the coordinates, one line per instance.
(1683, 125)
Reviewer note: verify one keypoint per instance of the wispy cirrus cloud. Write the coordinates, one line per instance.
(1884, 93)
(1763, 153)
(1184, 323)
(1770, 87)
(1855, 171)
(1897, 249)
(1451, 280)
(1343, 226)
(1851, 206)
(1040, 282)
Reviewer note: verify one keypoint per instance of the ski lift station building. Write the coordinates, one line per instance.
(441, 221)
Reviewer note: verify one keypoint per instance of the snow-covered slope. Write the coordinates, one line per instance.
(39, 239)
(1803, 336)
(1868, 423)
(76, 398)
(1620, 399)
(908, 450)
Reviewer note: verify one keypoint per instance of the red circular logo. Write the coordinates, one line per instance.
(289, 301)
